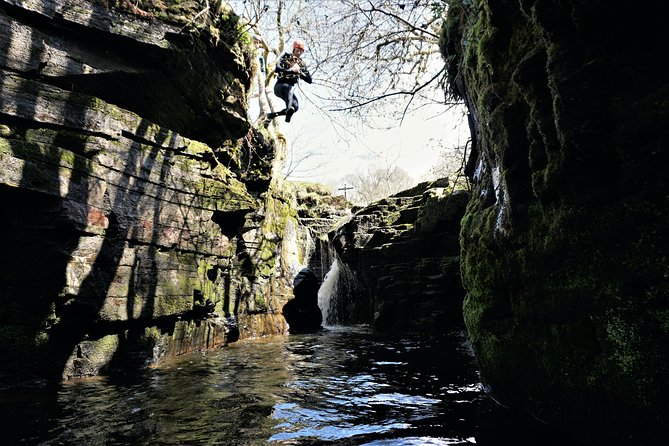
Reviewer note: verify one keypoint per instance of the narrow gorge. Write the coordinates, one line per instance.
(145, 218)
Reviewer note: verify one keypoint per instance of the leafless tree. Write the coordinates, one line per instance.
(451, 165)
(376, 183)
(374, 60)
(363, 51)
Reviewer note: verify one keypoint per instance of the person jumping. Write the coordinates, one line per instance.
(290, 68)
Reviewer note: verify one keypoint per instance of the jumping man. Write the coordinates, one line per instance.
(289, 69)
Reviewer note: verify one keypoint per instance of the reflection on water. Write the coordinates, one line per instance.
(340, 386)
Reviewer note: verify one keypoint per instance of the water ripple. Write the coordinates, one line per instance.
(345, 386)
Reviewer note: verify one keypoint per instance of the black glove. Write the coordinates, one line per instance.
(304, 75)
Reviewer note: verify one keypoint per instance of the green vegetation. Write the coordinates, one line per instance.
(561, 244)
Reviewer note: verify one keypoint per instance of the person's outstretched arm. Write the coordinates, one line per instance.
(306, 76)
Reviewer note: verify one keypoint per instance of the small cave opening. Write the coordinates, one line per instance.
(230, 222)
(212, 273)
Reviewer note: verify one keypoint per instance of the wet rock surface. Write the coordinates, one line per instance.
(302, 312)
(139, 219)
(565, 238)
(401, 257)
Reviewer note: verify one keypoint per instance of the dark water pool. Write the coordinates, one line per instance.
(340, 386)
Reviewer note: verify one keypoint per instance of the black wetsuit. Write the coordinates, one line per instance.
(286, 81)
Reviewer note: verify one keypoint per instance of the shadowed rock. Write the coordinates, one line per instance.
(564, 242)
(302, 313)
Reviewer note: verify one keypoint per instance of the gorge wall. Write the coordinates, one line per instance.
(139, 215)
(565, 240)
(399, 263)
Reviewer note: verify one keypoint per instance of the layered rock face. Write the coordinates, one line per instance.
(564, 244)
(399, 263)
(320, 212)
(139, 217)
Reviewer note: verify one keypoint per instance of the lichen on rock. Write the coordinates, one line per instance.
(562, 247)
(134, 186)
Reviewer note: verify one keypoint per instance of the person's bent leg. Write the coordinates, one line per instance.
(294, 106)
(290, 96)
(283, 91)
(278, 92)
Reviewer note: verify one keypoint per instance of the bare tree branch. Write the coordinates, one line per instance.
(401, 20)
(394, 93)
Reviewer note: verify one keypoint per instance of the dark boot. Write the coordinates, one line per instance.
(289, 113)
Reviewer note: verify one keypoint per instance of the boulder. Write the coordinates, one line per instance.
(302, 312)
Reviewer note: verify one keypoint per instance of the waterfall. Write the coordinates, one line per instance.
(310, 246)
(340, 299)
(327, 293)
(325, 256)
(331, 286)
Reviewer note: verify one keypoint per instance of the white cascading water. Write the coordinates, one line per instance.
(327, 292)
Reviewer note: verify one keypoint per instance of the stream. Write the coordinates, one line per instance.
(344, 386)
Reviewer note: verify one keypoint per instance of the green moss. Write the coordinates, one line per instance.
(106, 347)
(569, 301)
(45, 153)
(152, 335)
(259, 303)
(627, 344)
(183, 286)
(211, 288)
(295, 187)
(229, 28)
(5, 130)
(662, 317)
(193, 147)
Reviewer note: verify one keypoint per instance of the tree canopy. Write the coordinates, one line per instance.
(373, 61)
(364, 51)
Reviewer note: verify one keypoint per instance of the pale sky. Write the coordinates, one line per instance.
(338, 150)
(332, 145)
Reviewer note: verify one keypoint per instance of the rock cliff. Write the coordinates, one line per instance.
(564, 243)
(139, 214)
(399, 263)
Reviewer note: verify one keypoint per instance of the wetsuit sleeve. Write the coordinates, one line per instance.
(306, 76)
(304, 72)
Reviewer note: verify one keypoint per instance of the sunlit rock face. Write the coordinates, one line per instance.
(400, 261)
(139, 218)
(565, 240)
